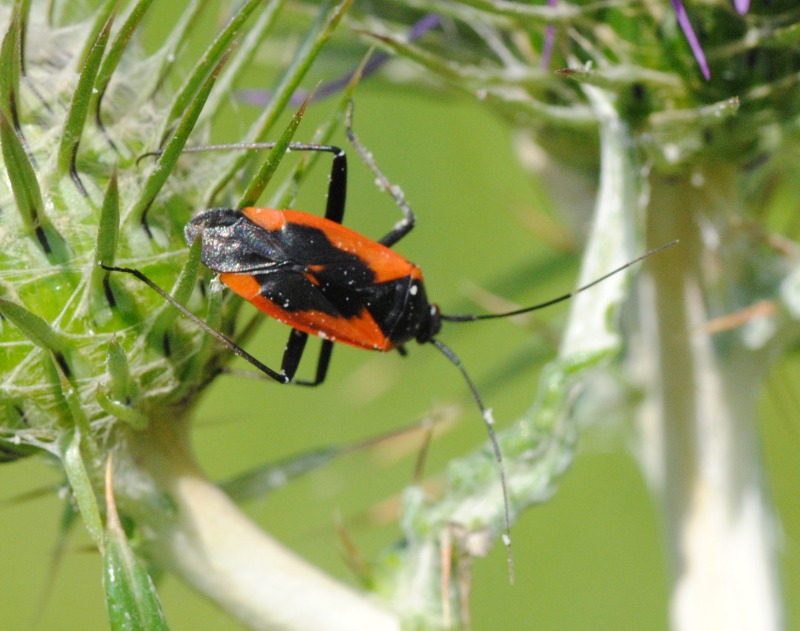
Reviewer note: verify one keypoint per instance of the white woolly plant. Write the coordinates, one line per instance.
(100, 375)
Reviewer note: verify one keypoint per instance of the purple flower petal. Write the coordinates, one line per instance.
(549, 40)
(683, 20)
(742, 6)
(427, 22)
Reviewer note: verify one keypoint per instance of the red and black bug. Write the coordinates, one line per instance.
(323, 279)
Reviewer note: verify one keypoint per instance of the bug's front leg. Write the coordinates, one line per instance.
(406, 224)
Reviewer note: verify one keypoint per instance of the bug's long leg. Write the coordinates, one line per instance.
(323, 362)
(406, 224)
(337, 189)
(293, 353)
(222, 339)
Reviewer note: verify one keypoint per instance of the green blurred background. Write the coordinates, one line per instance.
(589, 559)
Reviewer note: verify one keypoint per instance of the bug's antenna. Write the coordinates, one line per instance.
(489, 316)
(488, 420)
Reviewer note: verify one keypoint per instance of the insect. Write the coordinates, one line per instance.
(322, 278)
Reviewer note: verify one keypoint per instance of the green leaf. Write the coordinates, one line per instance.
(54, 377)
(328, 18)
(78, 416)
(178, 35)
(241, 61)
(263, 479)
(131, 598)
(210, 63)
(101, 16)
(24, 7)
(269, 477)
(12, 450)
(169, 157)
(28, 195)
(106, 295)
(10, 60)
(260, 180)
(620, 77)
(81, 485)
(35, 328)
(120, 386)
(122, 411)
(173, 341)
(118, 47)
(106, 248)
(208, 351)
(285, 197)
(183, 291)
(784, 36)
(79, 106)
(535, 15)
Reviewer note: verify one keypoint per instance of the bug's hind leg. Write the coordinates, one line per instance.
(280, 377)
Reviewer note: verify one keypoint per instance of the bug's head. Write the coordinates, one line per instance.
(430, 326)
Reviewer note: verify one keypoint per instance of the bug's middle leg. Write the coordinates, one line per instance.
(294, 353)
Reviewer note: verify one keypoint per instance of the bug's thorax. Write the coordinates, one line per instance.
(407, 315)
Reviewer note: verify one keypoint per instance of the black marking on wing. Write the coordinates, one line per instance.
(234, 244)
